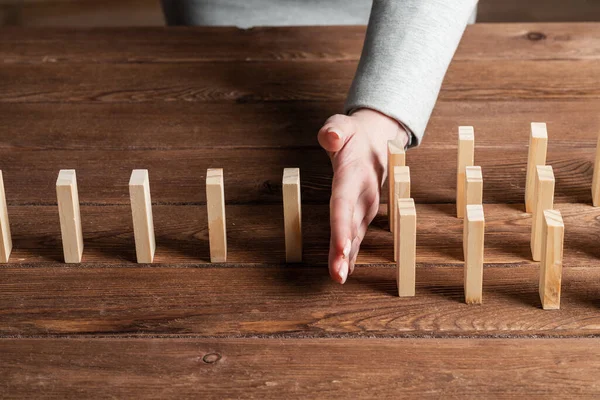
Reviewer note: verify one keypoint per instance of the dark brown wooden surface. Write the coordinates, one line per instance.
(251, 101)
(118, 13)
(275, 368)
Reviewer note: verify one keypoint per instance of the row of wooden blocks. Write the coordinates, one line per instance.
(547, 233)
(143, 225)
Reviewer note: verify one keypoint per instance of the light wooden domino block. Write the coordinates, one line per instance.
(70, 218)
(544, 200)
(396, 158)
(407, 246)
(474, 238)
(292, 215)
(141, 211)
(5, 237)
(596, 178)
(538, 143)
(466, 155)
(401, 191)
(473, 189)
(215, 203)
(553, 231)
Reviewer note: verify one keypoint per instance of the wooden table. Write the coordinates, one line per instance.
(177, 101)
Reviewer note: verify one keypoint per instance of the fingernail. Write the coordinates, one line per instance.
(337, 135)
(347, 248)
(344, 272)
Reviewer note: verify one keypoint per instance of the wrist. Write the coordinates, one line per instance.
(376, 121)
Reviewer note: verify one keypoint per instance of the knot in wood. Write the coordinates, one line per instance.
(536, 36)
(211, 358)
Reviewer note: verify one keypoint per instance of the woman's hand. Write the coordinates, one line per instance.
(357, 146)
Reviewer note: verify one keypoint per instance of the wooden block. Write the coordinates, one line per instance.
(474, 237)
(473, 189)
(466, 155)
(141, 211)
(70, 218)
(538, 143)
(5, 237)
(544, 200)
(553, 231)
(215, 203)
(396, 158)
(292, 215)
(401, 191)
(407, 246)
(596, 177)
(473, 185)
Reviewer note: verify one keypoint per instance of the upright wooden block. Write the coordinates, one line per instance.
(292, 215)
(5, 237)
(141, 211)
(553, 231)
(401, 191)
(538, 143)
(466, 156)
(474, 238)
(70, 218)
(544, 200)
(215, 203)
(473, 185)
(596, 177)
(407, 246)
(473, 190)
(396, 158)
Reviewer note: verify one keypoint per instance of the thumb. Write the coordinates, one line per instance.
(335, 132)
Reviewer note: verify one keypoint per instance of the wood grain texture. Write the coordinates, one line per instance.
(256, 235)
(173, 300)
(254, 175)
(248, 82)
(179, 368)
(185, 126)
(525, 41)
(537, 10)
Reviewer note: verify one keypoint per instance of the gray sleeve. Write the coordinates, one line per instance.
(408, 47)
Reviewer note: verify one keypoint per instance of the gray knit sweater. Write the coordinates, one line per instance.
(407, 49)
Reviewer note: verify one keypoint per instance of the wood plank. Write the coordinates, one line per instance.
(276, 81)
(254, 175)
(537, 10)
(86, 13)
(174, 300)
(275, 369)
(524, 41)
(182, 125)
(256, 235)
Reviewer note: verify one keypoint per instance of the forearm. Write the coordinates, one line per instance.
(408, 47)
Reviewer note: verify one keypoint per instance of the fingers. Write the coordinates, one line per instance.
(335, 132)
(364, 212)
(341, 211)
